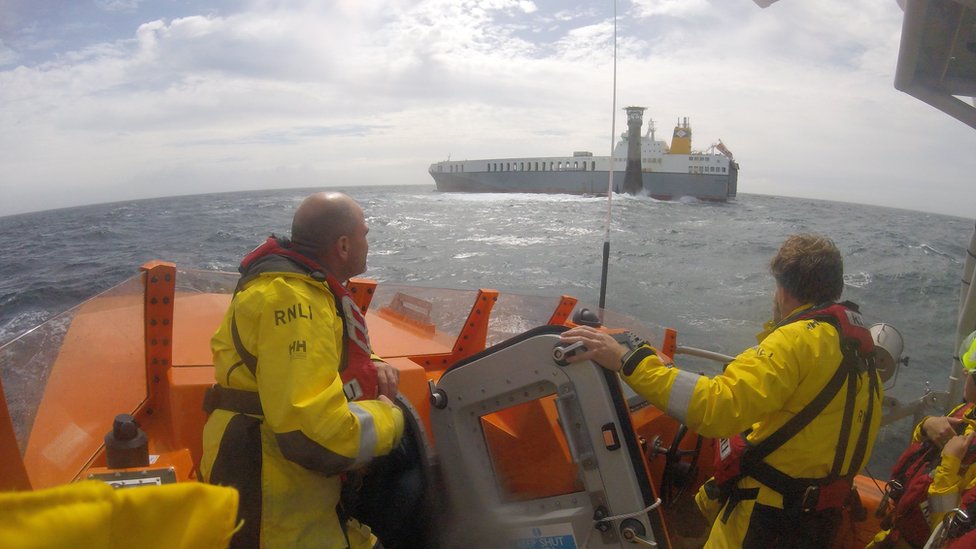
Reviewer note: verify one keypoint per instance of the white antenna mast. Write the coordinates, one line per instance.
(613, 136)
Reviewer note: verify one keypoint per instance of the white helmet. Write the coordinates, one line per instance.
(889, 345)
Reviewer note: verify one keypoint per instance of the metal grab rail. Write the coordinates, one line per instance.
(702, 353)
(895, 408)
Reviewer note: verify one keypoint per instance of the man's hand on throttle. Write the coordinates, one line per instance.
(601, 347)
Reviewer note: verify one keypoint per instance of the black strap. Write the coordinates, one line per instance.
(736, 495)
(860, 451)
(247, 358)
(233, 400)
(844, 437)
(238, 464)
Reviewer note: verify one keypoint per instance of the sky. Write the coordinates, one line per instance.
(108, 100)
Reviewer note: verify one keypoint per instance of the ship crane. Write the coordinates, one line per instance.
(724, 150)
(650, 129)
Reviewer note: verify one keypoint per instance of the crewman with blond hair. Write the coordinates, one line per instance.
(800, 410)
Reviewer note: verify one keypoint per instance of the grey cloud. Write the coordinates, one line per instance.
(118, 5)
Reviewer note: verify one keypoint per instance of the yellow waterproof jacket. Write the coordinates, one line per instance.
(950, 480)
(290, 322)
(90, 513)
(763, 388)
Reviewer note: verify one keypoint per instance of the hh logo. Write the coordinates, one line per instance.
(298, 310)
(297, 349)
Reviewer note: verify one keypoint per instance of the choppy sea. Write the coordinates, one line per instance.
(700, 268)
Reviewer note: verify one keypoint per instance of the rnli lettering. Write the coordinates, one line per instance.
(855, 318)
(352, 389)
(355, 324)
(724, 448)
(298, 310)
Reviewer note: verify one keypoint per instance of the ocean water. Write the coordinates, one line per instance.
(700, 268)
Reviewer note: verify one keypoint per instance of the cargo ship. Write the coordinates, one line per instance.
(660, 171)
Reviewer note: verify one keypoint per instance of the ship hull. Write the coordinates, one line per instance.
(658, 185)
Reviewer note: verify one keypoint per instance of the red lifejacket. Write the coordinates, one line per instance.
(736, 458)
(965, 541)
(907, 491)
(357, 370)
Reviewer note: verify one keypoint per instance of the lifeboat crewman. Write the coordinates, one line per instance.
(798, 412)
(935, 477)
(300, 398)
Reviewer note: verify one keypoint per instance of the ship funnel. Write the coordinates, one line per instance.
(633, 181)
(681, 139)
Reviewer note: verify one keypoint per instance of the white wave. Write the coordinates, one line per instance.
(21, 323)
(508, 240)
(928, 249)
(576, 231)
(859, 279)
(500, 198)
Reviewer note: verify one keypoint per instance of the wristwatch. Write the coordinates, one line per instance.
(629, 362)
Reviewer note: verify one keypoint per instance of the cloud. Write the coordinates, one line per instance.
(677, 8)
(378, 90)
(7, 55)
(118, 5)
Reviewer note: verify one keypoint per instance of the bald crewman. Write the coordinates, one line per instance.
(284, 421)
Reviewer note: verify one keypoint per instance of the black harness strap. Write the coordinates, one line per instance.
(238, 464)
(737, 495)
(233, 400)
(247, 358)
(844, 437)
(860, 451)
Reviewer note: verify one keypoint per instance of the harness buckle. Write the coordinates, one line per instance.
(811, 496)
(957, 522)
(892, 493)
